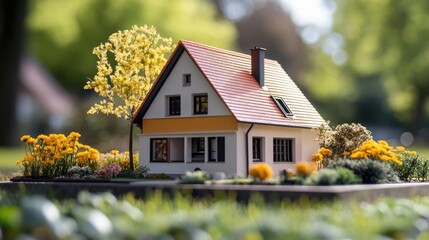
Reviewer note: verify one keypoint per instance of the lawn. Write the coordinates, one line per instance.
(9, 156)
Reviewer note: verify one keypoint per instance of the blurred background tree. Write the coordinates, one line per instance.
(382, 75)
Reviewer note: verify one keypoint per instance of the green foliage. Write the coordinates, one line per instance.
(383, 79)
(339, 176)
(79, 172)
(103, 216)
(139, 172)
(63, 34)
(414, 167)
(344, 138)
(370, 171)
(158, 176)
(347, 176)
(195, 177)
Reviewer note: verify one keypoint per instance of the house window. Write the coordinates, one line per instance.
(186, 80)
(282, 150)
(198, 149)
(283, 107)
(257, 149)
(200, 104)
(158, 150)
(174, 106)
(216, 149)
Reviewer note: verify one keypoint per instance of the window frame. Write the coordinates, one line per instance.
(257, 150)
(186, 80)
(219, 151)
(200, 149)
(197, 104)
(173, 105)
(152, 150)
(281, 104)
(283, 150)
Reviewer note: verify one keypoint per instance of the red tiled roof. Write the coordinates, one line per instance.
(229, 73)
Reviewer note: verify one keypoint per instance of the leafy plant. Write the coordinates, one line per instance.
(79, 172)
(422, 170)
(121, 158)
(408, 169)
(370, 171)
(333, 176)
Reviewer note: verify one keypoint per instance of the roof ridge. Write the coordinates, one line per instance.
(216, 49)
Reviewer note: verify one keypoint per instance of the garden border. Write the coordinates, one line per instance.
(241, 193)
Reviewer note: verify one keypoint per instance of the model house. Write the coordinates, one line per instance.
(222, 111)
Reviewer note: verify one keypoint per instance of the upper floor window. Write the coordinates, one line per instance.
(282, 150)
(186, 80)
(174, 106)
(283, 106)
(200, 104)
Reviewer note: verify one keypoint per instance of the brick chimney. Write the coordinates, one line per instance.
(258, 55)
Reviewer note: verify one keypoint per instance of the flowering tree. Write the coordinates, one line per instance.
(124, 80)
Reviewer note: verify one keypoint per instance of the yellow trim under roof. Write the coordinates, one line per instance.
(190, 124)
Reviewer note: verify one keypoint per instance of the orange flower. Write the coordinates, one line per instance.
(303, 169)
(261, 171)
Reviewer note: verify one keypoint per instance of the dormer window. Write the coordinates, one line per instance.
(186, 80)
(283, 107)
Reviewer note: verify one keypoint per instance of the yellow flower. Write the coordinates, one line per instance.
(325, 152)
(411, 152)
(25, 138)
(303, 168)
(261, 171)
(31, 141)
(400, 148)
(317, 157)
(114, 152)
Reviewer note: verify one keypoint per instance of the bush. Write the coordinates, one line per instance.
(324, 177)
(370, 171)
(344, 138)
(79, 172)
(422, 170)
(139, 172)
(408, 170)
(338, 176)
(346, 176)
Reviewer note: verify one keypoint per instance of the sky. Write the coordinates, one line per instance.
(317, 13)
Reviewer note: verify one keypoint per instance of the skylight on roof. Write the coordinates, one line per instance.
(283, 106)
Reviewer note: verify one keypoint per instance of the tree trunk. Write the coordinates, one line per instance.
(419, 110)
(12, 33)
(130, 147)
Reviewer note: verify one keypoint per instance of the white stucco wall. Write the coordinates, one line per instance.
(229, 167)
(303, 146)
(174, 86)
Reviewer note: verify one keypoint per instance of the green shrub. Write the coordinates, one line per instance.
(139, 172)
(339, 176)
(324, 177)
(370, 171)
(79, 172)
(347, 176)
(422, 170)
(407, 171)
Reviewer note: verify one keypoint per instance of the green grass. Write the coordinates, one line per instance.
(9, 156)
(421, 150)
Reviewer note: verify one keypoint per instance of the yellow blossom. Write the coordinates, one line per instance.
(25, 138)
(317, 157)
(114, 152)
(303, 168)
(261, 171)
